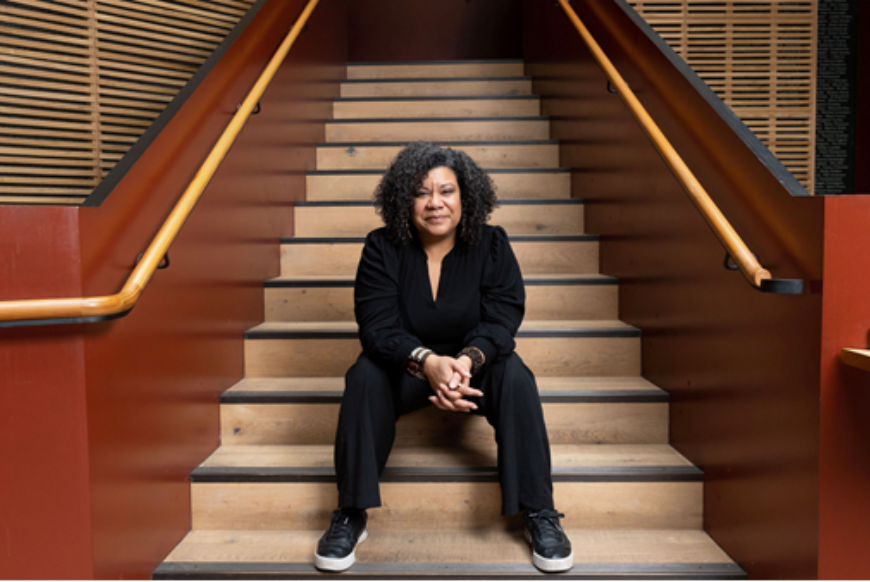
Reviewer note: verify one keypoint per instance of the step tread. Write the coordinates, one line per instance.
(552, 384)
(437, 79)
(527, 326)
(500, 551)
(505, 119)
(472, 455)
(347, 280)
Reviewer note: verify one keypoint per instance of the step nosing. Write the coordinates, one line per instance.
(438, 79)
(329, 397)
(513, 238)
(365, 172)
(501, 119)
(504, 202)
(332, 334)
(423, 63)
(341, 144)
(602, 474)
(438, 98)
(530, 281)
(447, 570)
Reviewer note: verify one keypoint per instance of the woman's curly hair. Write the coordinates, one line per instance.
(394, 196)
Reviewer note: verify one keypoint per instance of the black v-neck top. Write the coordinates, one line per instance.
(480, 301)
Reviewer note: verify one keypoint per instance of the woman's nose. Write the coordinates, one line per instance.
(435, 201)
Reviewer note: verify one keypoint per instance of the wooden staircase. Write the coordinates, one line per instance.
(633, 504)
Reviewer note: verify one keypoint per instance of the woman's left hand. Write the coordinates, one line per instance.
(449, 379)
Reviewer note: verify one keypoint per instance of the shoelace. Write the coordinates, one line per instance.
(546, 524)
(341, 526)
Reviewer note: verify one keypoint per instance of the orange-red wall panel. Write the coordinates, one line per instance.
(844, 524)
(44, 484)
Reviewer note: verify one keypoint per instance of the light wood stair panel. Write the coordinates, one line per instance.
(633, 504)
(519, 217)
(498, 553)
(411, 107)
(583, 348)
(337, 185)
(561, 255)
(440, 70)
(452, 506)
(446, 87)
(586, 297)
(490, 155)
(470, 129)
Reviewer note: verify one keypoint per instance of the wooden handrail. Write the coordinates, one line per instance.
(856, 358)
(89, 308)
(758, 276)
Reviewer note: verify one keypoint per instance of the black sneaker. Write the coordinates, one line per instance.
(551, 549)
(335, 550)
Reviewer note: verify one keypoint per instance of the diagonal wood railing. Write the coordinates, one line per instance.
(737, 250)
(85, 309)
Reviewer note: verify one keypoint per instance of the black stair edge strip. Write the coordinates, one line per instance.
(576, 281)
(487, 170)
(565, 333)
(441, 571)
(507, 202)
(547, 397)
(417, 63)
(368, 144)
(436, 119)
(316, 240)
(440, 79)
(652, 474)
(439, 98)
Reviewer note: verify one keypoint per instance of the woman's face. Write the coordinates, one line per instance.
(437, 206)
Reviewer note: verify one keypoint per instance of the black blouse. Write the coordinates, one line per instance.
(480, 302)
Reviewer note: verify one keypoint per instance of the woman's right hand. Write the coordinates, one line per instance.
(449, 379)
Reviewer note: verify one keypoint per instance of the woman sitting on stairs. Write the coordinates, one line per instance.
(438, 298)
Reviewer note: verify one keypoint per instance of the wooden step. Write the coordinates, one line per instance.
(537, 255)
(511, 183)
(441, 87)
(458, 129)
(547, 297)
(294, 486)
(411, 107)
(437, 69)
(488, 554)
(549, 348)
(591, 410)
(517, 217)
(495, 154)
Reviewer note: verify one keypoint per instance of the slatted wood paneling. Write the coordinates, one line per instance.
(759, 57)
(81, 80)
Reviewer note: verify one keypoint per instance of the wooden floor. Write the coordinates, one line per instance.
(633, 505)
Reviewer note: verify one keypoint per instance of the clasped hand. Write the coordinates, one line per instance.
(450, 380)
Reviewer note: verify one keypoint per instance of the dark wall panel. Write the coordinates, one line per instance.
(154, 377)
(44, 496)
(844, 527)
(741, 366)
(414, 30)
(862, 103)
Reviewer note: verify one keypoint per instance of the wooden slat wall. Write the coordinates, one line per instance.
(81, 80)
(759, 57)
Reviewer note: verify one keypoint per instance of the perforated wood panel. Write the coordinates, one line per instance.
(81, 80)
(759, 57)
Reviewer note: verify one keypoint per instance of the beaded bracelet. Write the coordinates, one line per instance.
(475, 355)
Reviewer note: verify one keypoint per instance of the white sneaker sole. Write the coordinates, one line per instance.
(339, 564)
(550, 564)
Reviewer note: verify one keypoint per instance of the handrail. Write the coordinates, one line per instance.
(736, 249)
(85, 309)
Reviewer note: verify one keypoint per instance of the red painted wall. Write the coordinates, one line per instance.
(741, 366)
(844, 524)
(44, 493)
(139, 405)
(403, 30)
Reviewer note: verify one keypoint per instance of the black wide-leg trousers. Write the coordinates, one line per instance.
(375, 398)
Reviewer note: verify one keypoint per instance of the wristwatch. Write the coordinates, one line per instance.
(416, 361)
